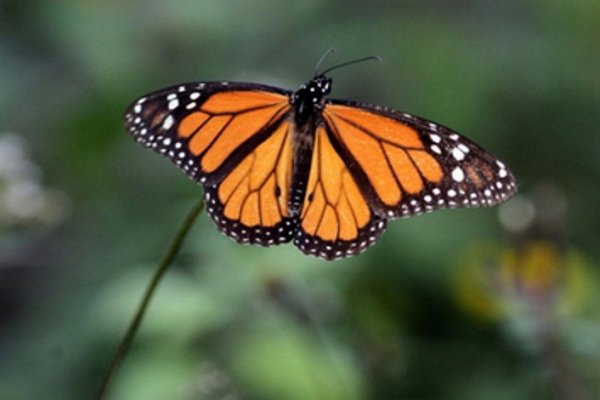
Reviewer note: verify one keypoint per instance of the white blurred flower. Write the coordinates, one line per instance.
(24, 201)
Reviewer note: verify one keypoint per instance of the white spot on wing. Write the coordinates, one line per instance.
(435, 138)
(168, 123)
(457, 154)
(173, 104)
(458, 175)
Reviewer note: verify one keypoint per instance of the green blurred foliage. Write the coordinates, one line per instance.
(237, 322)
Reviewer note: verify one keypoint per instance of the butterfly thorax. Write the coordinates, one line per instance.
(307, 103)
(309, 99)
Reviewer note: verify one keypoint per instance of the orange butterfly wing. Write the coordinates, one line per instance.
(406, 165)
(235, 139)
(250, 204)
(336, 220)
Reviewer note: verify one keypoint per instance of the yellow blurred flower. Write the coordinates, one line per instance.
(495, 283)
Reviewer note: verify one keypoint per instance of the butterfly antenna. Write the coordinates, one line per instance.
(351, 62)
(323, 57)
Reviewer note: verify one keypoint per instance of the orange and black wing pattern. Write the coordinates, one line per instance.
(234, 138)
(336, 219)
(405, 165)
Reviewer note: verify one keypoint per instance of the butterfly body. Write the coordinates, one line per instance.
(280, 166)
(307, 103)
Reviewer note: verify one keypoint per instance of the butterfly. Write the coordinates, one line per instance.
(280, 165)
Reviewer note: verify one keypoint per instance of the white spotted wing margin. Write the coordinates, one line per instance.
(265, 236)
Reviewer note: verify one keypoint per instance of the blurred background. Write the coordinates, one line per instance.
(490, 304)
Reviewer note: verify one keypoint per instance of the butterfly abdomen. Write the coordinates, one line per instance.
(303, 143)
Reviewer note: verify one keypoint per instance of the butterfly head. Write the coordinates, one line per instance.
(314, 90)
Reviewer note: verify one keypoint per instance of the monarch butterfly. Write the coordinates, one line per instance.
(279, 165)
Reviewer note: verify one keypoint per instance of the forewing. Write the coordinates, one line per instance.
(406, 165)
(207, 128)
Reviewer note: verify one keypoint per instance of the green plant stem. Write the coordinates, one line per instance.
(163, 266)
